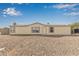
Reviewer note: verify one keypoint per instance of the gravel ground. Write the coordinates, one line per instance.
(39, 46)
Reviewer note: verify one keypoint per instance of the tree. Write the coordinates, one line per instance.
(74, 25)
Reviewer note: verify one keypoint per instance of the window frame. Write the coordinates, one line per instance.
(35, 29)
(51, 29)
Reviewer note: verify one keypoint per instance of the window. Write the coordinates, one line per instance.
(76, 30)
(35, 29)
(51, 29)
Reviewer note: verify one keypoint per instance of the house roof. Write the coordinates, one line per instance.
(40, 24)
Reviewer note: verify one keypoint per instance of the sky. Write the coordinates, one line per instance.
(27, 13)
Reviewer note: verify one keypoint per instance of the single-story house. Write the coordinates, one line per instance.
(42, 29)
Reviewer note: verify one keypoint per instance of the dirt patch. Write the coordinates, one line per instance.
(39, 45)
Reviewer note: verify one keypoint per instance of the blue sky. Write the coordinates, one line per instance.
(54, 13)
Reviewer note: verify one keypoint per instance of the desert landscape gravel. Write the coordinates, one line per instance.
(39, 45)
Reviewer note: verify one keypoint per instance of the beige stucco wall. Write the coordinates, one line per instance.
(58, 30)
(28, 29)
(20, 30)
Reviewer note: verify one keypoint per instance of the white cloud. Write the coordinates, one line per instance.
(11, 12)
(72, 14)
(4, 15)
(66, 5)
